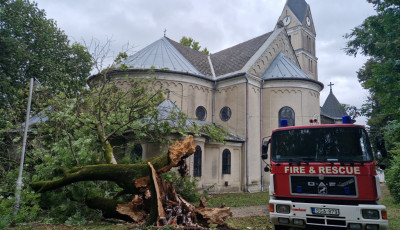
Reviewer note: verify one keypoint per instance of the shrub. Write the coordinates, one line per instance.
(393, 178)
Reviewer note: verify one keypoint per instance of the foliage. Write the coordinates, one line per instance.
(190, 42)
(392, 178)
(33, 46)
(351, 110)
(184, 186)
(378, 38)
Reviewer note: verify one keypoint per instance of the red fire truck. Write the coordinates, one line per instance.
(323, 177)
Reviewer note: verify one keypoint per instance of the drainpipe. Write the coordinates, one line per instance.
(213, 101)
(247, 134)
(261, 132)
(214, 87)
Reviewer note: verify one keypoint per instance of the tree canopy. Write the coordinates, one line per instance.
(190, 42)
(378, 38)
(33, 46)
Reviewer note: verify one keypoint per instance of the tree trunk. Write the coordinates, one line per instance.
(125, 175)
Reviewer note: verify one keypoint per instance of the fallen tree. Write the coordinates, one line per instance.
(154, 202)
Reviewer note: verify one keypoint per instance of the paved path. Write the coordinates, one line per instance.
(260, 210)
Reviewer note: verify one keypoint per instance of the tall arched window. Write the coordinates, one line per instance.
(226, 161)
(197, 162)
(286, 113)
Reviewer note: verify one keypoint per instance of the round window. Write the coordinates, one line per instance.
(201, 113)
(225, 113)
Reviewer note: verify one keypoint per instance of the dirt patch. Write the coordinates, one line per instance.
(259, 210)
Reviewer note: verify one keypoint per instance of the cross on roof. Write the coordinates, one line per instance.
(165, 32)
(330, 85)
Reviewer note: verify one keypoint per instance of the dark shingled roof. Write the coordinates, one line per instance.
(198, 59)
(234, 58)
(332, 108)
(299, 8)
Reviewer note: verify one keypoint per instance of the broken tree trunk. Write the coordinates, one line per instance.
(161, 205)
(125, 175)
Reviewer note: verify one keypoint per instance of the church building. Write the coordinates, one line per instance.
(247, 89)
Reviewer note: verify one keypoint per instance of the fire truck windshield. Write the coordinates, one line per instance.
(323, 144)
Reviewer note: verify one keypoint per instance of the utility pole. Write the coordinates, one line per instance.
(21, 166)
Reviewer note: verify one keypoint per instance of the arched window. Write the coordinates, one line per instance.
(197, 162)
(136, 153)
(286, 113)
(226, 161)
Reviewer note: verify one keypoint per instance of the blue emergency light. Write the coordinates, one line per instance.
(346, 120)
(284, 123)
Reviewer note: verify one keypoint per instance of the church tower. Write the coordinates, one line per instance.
(297, 19)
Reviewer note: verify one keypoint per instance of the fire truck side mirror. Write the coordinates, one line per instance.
(264, 154)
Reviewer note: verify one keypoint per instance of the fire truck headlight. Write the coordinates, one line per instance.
(370, 214)
(281, 208)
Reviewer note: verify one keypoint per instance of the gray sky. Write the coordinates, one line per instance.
(218, 24)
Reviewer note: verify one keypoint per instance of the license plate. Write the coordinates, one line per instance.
(325, 211)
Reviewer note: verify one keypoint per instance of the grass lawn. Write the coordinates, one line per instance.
(392, 209)
(238, 199)
(234, 200)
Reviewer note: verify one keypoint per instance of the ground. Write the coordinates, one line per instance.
(254, 216)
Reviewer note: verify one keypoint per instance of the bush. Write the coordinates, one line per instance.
(393, 178)
(184, 186)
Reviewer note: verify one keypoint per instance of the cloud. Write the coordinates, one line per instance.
(218, 25)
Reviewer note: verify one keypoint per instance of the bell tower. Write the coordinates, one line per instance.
(296, 18)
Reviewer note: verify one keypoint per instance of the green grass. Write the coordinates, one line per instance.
(254, 223)
(238, 199)
(234, 200)
(393, 209)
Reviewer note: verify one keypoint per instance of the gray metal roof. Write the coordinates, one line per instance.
(299, 8)
(234, 58)
(332, 107)
(161, 54)
(283, 67)
(198, 59)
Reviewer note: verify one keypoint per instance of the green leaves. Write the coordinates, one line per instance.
(33, 46)
(189, 42)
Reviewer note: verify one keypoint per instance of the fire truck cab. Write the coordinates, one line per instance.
(323, 177)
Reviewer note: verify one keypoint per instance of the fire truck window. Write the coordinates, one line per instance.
(226, 161)
(197, 162)
(321, 144)
(286, 113)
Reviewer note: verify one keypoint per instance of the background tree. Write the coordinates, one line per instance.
(33, 46)
(378, 38)
(189, 42)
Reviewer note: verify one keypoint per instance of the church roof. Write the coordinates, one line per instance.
(198, 59)
(332, 107)
(234, 58)
(161, 54)
(298, 7)
(283, 67)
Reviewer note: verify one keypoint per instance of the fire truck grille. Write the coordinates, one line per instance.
(322, 185)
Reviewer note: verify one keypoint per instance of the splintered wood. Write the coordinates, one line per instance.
(171, 208)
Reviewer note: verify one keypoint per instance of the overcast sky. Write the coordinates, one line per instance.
(218, 24)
